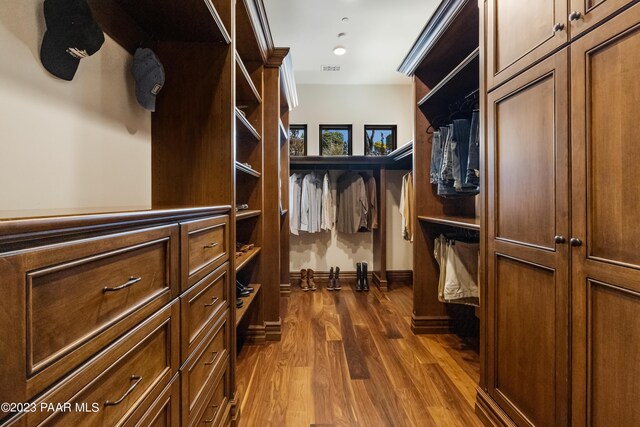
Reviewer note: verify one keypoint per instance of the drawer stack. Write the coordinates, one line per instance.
(116, 320)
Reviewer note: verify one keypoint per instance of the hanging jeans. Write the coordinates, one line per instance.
(446, 180)
(473, 168)
(436, 157)
(460, 156)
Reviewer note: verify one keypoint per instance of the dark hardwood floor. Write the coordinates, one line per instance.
(350, 359)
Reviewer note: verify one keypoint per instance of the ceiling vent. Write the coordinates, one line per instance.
(330, 68)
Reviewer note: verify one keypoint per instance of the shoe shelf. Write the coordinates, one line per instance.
(245, 130)
(246, 214)
(243, 260)
(245, 169)
(453, 221)
(248, 300)
(246, 91)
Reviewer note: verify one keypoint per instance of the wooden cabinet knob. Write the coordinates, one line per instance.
(560, 239)
(574, 16)
(575, 242)
(558, 27)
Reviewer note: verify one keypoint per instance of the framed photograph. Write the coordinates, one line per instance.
(379, 140)
(335, 140)
(297, 140)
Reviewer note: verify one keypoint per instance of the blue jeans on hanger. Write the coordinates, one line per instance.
(436, 157)
(473, 168)
(446, 180)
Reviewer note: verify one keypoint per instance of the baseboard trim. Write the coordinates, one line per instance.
(382, 285)
(489, 412)
(285, 289)
(234, 411)
(273, 330)
(404, 277)
(347, 278)
(424, 325)
(255, 334)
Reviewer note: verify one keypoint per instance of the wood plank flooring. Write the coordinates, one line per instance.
(350, 359)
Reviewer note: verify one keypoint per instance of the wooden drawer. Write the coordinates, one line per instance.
(200, 306)
(76, 298)
(215, 409)
(164, 411)
(198, 372)
(131, 375)
(205, 246)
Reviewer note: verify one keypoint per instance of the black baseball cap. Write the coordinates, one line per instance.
(71, 35)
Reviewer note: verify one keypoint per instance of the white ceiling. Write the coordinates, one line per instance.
(379, 35)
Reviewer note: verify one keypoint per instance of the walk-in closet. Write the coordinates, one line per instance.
(252, 213)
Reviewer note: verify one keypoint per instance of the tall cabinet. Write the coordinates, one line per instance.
(562, 267)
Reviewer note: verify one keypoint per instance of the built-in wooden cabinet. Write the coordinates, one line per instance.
(563, 263)
(606, 200)
(528, 229)
(519, 33)
(584, 14)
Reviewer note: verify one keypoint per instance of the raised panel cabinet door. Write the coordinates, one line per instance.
(519, 33)
(606, 194)
(584, 14)
(527, 261)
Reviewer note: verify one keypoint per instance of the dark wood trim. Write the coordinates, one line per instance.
(273, 330)
(255, 334)
(382, 285)
(306, 141)
(431, 34)
(489, 412)
(285, 289)
(432, 324)
(392, 128)
(349, 141)
(276, 57)
(29, 229)
(400, 277)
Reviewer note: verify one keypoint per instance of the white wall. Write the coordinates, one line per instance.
(356, 105)
(74, 145)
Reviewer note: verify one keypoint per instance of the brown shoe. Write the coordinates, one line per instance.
(312, 283)
(304, 282)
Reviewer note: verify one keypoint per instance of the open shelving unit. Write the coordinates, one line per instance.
(445, 66)
(247, 302)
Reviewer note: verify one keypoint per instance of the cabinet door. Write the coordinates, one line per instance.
(521, 32)
(606, 202)
(584, 14)
(527, 259)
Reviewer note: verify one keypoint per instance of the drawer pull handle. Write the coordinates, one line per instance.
(215, 409)
(211, 245)
(213, 302)
(132, 281)
(213, 359)
(136, 379)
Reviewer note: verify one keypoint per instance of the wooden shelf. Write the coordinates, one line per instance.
(283, 132)
(165, 20)
(245, 130)
(401, 156)
(246, 214)
(458, 83)
(245, 169)
(245, 258)
(246, 91)
(248, 300)
(453, 221)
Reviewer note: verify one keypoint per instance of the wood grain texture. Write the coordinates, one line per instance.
(350, 359)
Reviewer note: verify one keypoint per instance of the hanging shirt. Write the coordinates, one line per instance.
(328, 212)
(372, 197)
(295, 191)
(311, 203)
(352, 203)
(406, 206)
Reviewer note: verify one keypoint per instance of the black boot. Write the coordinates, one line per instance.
(336, 280)
(359, 277)
(365, 278)
(331, 285)
(241, 291)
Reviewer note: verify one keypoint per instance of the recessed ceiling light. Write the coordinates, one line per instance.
(339, 50)
(345, 20)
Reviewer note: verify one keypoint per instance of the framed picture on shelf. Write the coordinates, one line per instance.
(379, 140)
(335, 140)
(297, 140)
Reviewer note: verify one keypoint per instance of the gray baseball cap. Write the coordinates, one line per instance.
(149, 76)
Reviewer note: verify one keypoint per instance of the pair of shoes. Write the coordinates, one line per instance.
(362, 280)
(239, 303)
(242, 248)
(242, 290)
(306, 280)
(334, 280)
